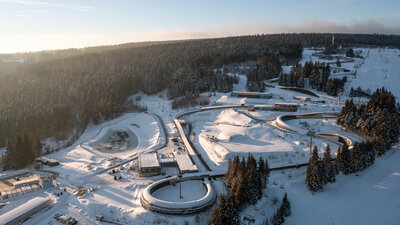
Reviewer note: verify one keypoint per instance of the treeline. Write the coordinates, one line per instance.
(21, 150)
(306, 39)
(323, 171)
(358, 92)
(378, 119)
(267, 67)
(59, 97)
(360, 157)
(189, 100)
(246, 179)
(347, 40)
(317, 75)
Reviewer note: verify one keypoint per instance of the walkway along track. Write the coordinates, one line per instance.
(193, 153)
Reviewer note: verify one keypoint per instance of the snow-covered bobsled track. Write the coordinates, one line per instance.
(154, 204)
(280, 122)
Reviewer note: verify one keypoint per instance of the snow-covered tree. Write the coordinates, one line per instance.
(313, 172)
(343, 160)
(285, 207)
(328, 165)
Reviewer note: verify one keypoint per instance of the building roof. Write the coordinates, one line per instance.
(148, 160)
(167, 160)
(284, 103)
(22, 209)
(185, 163)
(28, 181)
(48, 160)
(250, 93)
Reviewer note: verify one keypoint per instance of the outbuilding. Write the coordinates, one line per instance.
(290, 107)
(149, 165)
(302, 98)
(46, 182)
(24, 211)
(250, 94)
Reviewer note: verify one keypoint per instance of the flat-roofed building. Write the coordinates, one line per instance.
(149, 165)
(20, 213)
(302, 98)
(47, 161)
(46, 182)
(251, 94)
(28, 182)
(185, 163)
(290, 107)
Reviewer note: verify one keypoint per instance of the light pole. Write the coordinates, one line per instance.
(310, 133)
(180, 185)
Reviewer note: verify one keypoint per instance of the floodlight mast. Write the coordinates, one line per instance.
(311, 134)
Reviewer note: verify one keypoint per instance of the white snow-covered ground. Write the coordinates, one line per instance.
(369, 199)
(379, 69)
(220, 138)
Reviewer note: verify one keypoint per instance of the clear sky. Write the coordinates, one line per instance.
(30, 25)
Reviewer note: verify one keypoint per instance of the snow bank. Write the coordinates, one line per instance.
(231, 116)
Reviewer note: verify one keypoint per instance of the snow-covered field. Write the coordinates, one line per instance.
(218, 135)
(379, 69)
(370, 198)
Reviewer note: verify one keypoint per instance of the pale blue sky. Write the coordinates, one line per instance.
(28, 25)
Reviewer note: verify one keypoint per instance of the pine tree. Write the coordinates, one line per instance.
(261, 171)
(313, 172)
(350, 52)
(277, 219)
(267, 169)
(285, 206)
(322, 174)
(343, 160)
(216, 217)
(240, 192)
(232, 212)
(329, 167)
(225, 212)
(252, 192)
(338, 63)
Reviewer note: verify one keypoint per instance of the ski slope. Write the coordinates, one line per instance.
(381, 68)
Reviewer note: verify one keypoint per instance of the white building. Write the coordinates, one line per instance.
(149, 165)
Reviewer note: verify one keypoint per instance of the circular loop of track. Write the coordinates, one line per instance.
(154, 204)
